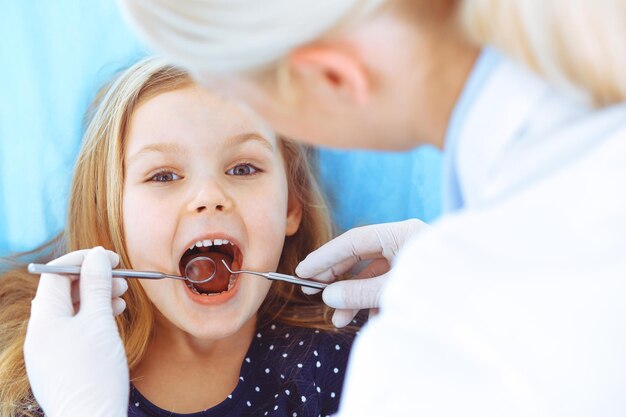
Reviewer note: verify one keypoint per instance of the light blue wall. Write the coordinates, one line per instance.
(55, 54)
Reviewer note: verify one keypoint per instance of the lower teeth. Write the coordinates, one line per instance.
(231, 283)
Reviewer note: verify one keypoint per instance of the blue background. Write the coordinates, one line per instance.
(55, 55)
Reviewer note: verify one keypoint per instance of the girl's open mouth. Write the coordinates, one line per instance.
(217, 250)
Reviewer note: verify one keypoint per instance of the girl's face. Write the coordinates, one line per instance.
(204, 177)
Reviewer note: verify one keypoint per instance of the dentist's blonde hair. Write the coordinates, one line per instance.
(95, 219)
(579, 43)
(254, 36)
(221, 36)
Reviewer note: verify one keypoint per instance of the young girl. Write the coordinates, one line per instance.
(169, 172)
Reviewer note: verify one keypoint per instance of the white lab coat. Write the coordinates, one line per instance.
(514, 305)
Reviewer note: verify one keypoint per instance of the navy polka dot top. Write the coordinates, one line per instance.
(288, 371)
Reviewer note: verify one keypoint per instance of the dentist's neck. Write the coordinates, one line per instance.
(451, 62)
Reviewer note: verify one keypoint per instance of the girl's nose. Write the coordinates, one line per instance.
(209, 197)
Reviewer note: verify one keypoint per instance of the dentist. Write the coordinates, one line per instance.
(513, 302)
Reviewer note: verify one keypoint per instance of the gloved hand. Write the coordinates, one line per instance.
(374, 248)
(75, 361)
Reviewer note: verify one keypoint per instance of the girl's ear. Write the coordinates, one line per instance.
(294, 216)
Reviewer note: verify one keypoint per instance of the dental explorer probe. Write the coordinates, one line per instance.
(275, 276)
(191, 271)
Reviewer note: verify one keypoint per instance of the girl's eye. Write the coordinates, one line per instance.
(242, 169)
(164, 176)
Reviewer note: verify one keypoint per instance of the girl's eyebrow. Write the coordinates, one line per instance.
(174, 148)
(165, 147)
(248, 137)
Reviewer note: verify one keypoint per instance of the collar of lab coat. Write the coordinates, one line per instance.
(452, 196)
(501, 104)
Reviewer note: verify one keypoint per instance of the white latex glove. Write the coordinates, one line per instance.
(378, 245)
(75, 361)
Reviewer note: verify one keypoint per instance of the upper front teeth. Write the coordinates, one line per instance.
(208, 242)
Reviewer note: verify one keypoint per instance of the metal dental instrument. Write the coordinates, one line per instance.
(192, 271)
(275, 276)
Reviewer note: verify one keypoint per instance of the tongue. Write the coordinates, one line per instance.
(219, 282)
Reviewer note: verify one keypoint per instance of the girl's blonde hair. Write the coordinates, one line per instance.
(577, 43)
(95, 218)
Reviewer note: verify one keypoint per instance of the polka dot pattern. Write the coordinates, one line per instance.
(287, 371)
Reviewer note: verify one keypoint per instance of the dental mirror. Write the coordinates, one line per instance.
(200, 269)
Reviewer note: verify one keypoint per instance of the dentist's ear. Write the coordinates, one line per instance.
(329, 74)
(294, 216)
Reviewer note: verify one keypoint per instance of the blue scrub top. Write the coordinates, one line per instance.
(366, 187)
